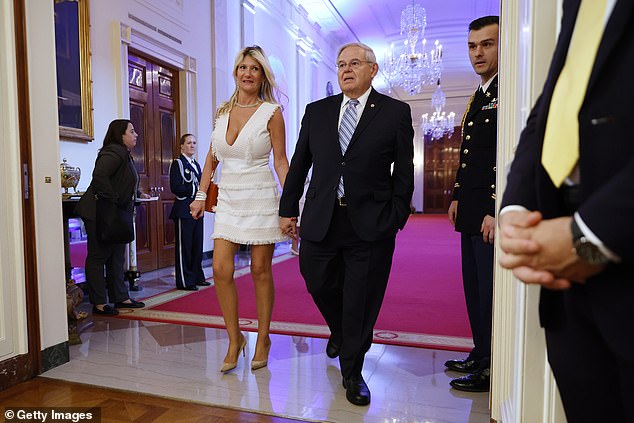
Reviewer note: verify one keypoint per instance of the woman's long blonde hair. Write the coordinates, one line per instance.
(269, 91)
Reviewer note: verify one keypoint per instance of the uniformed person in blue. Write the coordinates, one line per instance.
(472, 210)
(184, 180)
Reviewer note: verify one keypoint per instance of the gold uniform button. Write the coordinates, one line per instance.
(465, 151)
(468, 137)
(486, 120)
(463, 165)
(470, 123)
(493, 186)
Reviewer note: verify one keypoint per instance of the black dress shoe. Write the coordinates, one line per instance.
(131, 304)
(107, 311)
(332, 349)
(357, 392)
(189, 288)
(204, 283)
(465, 366)
(476, 382)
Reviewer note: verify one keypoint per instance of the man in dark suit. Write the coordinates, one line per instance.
(184, 180)
(360, 146)
(567, 225)
(472, 211)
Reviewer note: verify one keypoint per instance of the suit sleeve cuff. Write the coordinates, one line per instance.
(510, 208)
(590, 236)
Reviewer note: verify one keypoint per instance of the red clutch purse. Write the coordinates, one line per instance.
(212, 191)
(212, 198)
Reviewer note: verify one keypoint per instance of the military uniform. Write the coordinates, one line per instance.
(474, 190)
(184, 182)
(475, 180)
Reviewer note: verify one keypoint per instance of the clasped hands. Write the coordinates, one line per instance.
(288, 226)
(540, 251)
(197, 209)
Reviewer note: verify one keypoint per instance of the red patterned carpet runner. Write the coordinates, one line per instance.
(424, 305)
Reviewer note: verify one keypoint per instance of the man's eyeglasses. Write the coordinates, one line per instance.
(354, 64)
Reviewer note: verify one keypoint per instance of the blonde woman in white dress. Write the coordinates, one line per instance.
(248, 126)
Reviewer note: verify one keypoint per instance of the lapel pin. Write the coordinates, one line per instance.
(488, 94)
(372, 105)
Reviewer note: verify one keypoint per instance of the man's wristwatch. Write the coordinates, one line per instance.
(586, 250)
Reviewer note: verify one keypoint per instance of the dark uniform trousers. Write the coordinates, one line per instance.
(189, 250)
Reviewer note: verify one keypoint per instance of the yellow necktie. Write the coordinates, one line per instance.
(561, 140)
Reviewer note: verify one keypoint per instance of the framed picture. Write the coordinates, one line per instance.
(74, 82)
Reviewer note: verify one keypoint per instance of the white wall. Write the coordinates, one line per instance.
(12, 276)
(45, 152)
(301, 58)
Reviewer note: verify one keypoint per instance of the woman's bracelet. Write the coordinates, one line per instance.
(200, 195)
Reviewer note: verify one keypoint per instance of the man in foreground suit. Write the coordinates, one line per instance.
(472, 211)
(567, 225)
(355, 204)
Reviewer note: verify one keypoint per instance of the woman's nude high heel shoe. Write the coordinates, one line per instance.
(258, 364)
(227, 367)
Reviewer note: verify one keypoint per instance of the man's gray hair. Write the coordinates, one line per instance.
(369, 53)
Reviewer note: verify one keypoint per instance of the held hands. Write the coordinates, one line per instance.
(288, 226)
(540, 251)
(197, 209)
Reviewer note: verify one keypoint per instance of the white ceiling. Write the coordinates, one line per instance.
(377, 23)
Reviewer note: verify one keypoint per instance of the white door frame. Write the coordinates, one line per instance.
(523, 386)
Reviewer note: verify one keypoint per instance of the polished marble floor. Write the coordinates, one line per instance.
(182, 362)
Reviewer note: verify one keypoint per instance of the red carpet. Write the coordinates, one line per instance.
(424, 294)
(78, 253)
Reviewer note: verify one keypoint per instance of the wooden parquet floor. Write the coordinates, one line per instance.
(123, 406)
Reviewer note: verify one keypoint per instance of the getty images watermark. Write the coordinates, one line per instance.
(52, 414)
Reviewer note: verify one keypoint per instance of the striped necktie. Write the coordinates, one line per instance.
(561, 139)
(346, 129)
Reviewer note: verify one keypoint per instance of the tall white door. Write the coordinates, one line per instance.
(12, 278)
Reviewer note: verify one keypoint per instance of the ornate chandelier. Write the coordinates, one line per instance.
(440, 123)
(413, 68)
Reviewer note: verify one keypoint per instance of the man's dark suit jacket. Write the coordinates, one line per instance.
(183, 186)
(378, 197)
(474, 188)
(606, 167)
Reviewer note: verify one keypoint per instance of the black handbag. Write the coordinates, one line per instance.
(114, 224)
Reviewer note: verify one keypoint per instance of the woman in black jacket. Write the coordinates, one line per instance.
(113, 188)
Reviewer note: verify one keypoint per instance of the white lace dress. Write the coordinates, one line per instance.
(248, 198)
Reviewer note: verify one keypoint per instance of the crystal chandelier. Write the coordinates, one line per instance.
(414, 67)
(440, 123)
